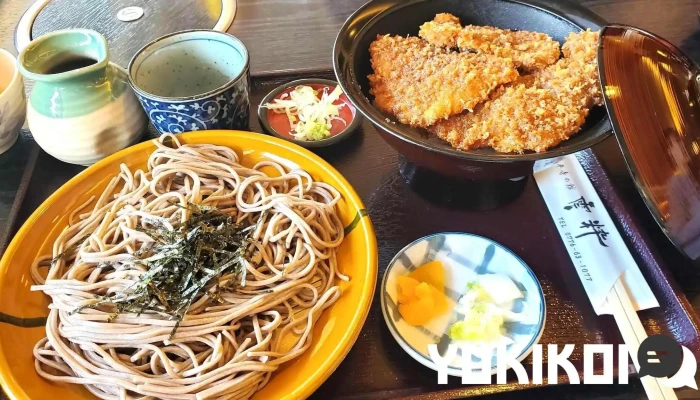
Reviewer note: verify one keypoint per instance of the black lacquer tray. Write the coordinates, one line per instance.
(376, 367)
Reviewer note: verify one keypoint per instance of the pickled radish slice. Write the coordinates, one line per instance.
(500, 287)
(421, 294)
(432, 273)
(406, 287)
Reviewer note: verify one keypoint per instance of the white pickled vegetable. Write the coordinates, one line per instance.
(486, 307)
(500, 287)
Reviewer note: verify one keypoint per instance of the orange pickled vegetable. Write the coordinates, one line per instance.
(420, 310)
(421, 294)
(431, 273)
(406, 289)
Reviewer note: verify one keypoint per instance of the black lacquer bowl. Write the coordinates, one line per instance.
(351, 61)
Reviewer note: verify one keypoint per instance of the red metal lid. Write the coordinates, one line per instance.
(651, 93)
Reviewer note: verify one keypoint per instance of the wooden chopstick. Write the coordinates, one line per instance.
(633, 334)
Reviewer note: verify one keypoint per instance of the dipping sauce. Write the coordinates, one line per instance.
(280, 123)
(71, 64)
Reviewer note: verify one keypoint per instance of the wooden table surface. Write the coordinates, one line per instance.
(285, 35)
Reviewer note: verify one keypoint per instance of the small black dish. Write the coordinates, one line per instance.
(348, 113)
(351, 62)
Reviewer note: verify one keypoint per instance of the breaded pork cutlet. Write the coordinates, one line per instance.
(421, 84)
(535, 112)
(442, 31)
(578, 69)
(458, 129)
(521, 118)
(530, 50)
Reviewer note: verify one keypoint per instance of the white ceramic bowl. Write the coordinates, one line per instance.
(13, 103)
(464, 256)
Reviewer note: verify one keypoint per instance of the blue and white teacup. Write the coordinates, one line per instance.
(193, 80)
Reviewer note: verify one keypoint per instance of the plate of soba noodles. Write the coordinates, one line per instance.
(207, 265)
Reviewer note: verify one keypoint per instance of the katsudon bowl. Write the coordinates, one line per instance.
(351, 61)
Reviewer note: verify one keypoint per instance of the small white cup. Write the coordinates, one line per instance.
(13, 103)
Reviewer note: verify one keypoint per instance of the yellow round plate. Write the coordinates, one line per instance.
(22, 312)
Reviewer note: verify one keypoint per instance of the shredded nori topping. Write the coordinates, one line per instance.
(184, 263)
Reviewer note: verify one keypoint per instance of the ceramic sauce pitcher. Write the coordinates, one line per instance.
(82, 108)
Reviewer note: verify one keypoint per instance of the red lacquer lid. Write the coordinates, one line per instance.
(651, 93)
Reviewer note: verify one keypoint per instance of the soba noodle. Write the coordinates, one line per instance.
(223, 349)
